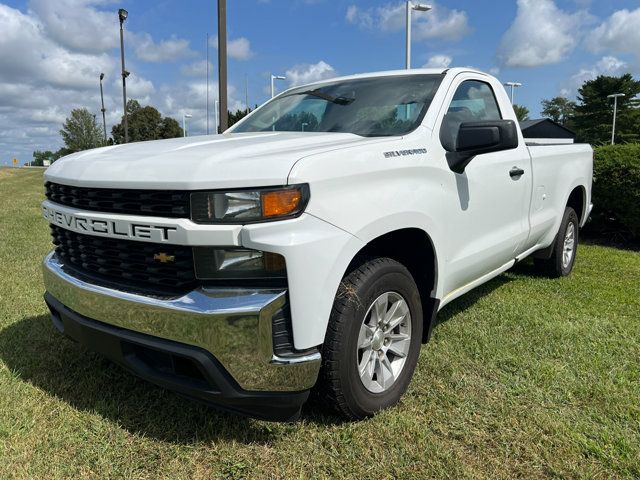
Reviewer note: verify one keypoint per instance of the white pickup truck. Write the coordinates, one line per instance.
(311, 245)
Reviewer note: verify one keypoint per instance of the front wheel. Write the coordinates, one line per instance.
(560, 264)
(373, 339)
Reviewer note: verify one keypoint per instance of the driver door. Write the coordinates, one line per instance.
(487, 212)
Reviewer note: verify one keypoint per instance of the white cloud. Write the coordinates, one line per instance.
(49, 67)
(541, 34)
(191, 97)
(139, 88)
(29, 57)
(77, 25)
(196, 69)
(620, 33)
(605, 66)
(360, 17)
(438, 61)
(165, 51)
(309, 73)
(440, 22)
(238, 48)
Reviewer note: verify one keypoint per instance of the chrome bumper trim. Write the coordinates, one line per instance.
(233, 324)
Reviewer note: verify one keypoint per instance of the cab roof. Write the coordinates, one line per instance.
(413, 71)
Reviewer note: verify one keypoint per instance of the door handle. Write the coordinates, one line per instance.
(516, 172)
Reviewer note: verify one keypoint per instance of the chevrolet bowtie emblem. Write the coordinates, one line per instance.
(164, 258)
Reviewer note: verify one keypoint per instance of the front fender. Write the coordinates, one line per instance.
(317, 255)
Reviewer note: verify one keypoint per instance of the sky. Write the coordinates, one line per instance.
(53, 51)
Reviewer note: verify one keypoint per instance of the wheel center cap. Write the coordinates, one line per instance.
(378, 339)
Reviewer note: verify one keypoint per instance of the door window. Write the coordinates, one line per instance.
(473, 101)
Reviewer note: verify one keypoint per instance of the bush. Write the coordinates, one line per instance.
(616, 188)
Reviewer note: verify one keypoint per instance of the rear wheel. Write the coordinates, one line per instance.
(560, 264)
(373, 340)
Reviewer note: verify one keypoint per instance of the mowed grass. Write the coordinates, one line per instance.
(525, 377)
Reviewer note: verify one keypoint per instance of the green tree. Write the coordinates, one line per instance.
(39, 157)
(170, 128)
(594, 113)
(559, 109)
(522, 112)
(238, 115)
(145, 123)
(80, 131)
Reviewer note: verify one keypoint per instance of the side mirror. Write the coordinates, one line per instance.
(476, 138)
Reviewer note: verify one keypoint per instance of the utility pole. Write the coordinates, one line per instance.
(122, 15)
(222, 65)
(103, 110)
(615, 112)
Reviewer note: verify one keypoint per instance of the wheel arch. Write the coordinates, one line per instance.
(415, 249)
(578, 201)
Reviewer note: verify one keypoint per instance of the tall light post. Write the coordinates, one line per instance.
(513, 86)
(273, 83)
(184, 123)
(216, 114)
(122, 15)
(615, 112)
(419, 7)
(103, 110)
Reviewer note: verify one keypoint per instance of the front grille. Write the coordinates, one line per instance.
(126, 263)
(161, 203)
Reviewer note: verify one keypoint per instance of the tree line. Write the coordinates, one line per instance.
(591, 116)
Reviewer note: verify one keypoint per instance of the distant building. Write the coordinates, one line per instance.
(545, 130)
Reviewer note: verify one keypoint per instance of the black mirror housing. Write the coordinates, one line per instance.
(476, 138)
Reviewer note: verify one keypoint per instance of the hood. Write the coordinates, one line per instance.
(216, 161)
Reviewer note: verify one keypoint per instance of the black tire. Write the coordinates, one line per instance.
(339, 384)
(555, 266)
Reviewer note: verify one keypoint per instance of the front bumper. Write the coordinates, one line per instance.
(226, 334)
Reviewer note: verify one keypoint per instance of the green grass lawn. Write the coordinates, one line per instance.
(525, 377)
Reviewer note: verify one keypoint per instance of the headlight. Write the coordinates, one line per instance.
(237, 264)
(247, 206)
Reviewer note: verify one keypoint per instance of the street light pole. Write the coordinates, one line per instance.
(513, 86)
(122, 15)
(273, 86)
(420, 7)
(615, 112)
(103, 110)
(184, 123)
(216, 114)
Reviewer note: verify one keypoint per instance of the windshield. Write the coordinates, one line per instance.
(380, 106)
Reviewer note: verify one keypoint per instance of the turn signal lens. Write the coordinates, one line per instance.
(249, 206)
(280, 203)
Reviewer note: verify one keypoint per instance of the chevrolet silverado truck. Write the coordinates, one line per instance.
(310, 246)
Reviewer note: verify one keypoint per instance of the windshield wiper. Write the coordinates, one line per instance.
(327, 97)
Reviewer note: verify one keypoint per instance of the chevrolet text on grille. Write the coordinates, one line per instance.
(107, 227)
